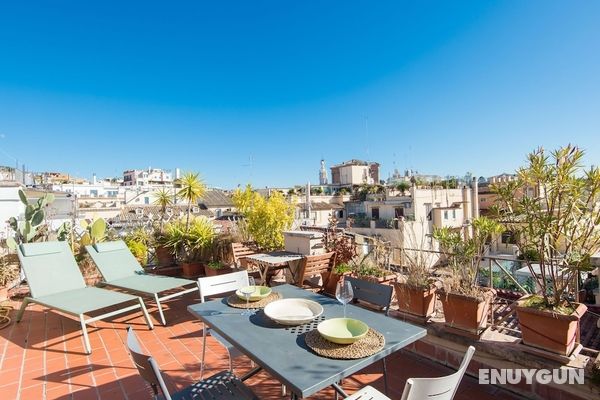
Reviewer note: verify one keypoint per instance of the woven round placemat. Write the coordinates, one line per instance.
(367, 346)
(235, 301)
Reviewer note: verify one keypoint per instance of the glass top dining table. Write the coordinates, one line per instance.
(282, 351)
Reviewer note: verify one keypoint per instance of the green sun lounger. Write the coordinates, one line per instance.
(120, 269)
(56, 282)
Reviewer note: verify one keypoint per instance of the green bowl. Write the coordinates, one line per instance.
(343, 330)
(260, 292)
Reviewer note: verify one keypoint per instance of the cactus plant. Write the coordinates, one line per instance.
(30, 228)
(94, 232)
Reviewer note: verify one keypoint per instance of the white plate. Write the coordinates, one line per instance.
(293, 311)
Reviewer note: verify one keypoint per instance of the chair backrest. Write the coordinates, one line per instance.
(443, 388)
(316, 265)
(372, 292)
(212, 285)
(49, 268)
(239, 251)
(114, 260)
(146, 366)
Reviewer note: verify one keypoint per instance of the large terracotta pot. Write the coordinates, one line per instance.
(550, 331)
(464, 312)
(413, 300)
(164, 256)
(192, 270)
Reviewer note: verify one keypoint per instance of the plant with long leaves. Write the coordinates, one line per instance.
(191, 189)
(464, 254)
(553, 210)
(163, 198)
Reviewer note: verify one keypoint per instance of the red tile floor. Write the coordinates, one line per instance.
(42, 358)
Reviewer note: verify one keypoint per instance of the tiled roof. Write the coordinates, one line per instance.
(131, 213)
(215, 198)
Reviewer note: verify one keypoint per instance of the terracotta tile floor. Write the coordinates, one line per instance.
(42, 358)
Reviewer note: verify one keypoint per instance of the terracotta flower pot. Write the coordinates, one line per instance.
(220, 271)
(192, 270)
(332, 281)
(416, 301)
(550, 331)
(464, 312)
(164, 256)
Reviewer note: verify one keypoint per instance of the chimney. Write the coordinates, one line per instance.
(94, 180)
(475, 197)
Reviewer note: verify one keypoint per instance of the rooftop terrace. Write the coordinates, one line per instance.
(42, 357)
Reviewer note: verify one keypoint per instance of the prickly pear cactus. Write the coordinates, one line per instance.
(34, 216)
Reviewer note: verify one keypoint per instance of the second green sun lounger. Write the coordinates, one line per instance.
(56, 282)
(120, 269)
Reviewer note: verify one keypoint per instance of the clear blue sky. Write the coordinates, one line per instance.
(260, 90)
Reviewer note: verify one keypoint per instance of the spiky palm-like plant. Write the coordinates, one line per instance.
(192, 188)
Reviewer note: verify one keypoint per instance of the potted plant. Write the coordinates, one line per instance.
(190, 241)
(345, 251)
(552, 210)
(465, 303)
(337, 272)
(415, 291)
(164, 254)
(214, 268)
(368, 269)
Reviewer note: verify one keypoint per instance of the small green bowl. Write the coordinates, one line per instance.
(343, 330)
(260, 292)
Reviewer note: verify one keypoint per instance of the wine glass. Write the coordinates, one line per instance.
(344, 293)
(247, 291)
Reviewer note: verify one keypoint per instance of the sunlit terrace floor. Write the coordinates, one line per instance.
(42, 358)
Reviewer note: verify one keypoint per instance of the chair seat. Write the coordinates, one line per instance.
(84, 300)
(223, 385)
(368, 393)
(150, 283)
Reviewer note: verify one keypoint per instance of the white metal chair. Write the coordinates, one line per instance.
(214, 285)
(368, 393)
(443, 388)
(223, 385)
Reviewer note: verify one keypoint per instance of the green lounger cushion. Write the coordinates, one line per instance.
(110, 246)
(41, 248)
(150, 283)
(84, 300)
(50, 271)
(120, 268)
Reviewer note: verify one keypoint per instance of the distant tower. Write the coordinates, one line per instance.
(323, 174)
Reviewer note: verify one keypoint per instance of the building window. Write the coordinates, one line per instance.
(341, 214)
(146, 200)
(445, 214)
(398, 212)
(453, 214)
(375, 213)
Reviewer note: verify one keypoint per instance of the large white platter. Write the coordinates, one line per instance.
(293, 311)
